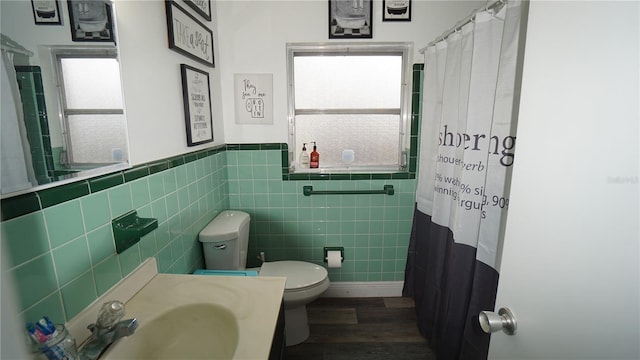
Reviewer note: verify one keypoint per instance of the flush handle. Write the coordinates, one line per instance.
(220, 246)
(504, 320)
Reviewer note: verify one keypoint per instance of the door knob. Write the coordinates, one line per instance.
(504, 320)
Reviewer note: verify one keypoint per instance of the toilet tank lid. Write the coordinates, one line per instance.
(225, 226)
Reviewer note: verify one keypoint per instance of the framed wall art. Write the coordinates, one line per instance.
(202, 7)
(196, 95)
(90, 20)
(188, 36)
(350, 19)
(396, 10)
(253, 98)
(46, 12)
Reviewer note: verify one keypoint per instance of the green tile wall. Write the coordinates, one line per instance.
(60, 243)
(285, 224)
(35, 119)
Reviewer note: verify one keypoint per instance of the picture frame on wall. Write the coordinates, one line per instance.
(46, 12)
(196, 95)
(253, 98)
(188, 36)
(350, 19)
(90, 20)
(396, 10)
(202, 7)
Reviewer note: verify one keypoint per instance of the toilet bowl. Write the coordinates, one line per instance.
(305, 283)
(225, 240)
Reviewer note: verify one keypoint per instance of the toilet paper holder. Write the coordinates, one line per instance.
(334, 248)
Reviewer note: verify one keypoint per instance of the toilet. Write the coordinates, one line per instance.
(225, 240)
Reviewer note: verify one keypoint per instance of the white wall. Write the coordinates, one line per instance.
(150, 70)
(152, 82)
(249, 37)
(254, 34)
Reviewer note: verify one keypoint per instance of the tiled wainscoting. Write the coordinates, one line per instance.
(59, 247)
(60, 244)
(373, 229)
(59, 241)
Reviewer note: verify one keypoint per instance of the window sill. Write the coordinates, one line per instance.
(347, 174)
(347, 170)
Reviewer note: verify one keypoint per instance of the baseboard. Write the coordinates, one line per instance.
(364, 289)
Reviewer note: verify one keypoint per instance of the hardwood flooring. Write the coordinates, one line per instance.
(362, 328)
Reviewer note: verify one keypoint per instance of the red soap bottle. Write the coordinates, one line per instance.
(314, 162)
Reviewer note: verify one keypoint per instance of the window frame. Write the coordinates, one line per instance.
(78, 52)
(319, 49)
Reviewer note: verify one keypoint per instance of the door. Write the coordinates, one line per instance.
(570, 259)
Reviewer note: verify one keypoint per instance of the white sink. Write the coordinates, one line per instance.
(202, 317)
(190, 331)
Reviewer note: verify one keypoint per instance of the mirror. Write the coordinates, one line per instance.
(62, 104)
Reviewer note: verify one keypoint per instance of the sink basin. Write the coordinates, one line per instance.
(193, 331)
(196, 317)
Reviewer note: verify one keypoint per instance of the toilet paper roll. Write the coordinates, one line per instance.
(334, 259)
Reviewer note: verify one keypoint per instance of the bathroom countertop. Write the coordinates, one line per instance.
(253, 301)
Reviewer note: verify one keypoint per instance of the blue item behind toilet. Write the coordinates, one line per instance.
(226, 272)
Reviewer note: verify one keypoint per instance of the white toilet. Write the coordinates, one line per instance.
(225, 240)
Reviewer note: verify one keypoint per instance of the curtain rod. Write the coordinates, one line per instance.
(495, 5)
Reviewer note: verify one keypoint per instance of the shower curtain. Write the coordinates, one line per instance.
(16, 169)
(466, 153)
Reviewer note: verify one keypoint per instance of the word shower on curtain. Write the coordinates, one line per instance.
(466, 153)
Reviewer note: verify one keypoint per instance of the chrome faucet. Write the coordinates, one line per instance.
(107, 330)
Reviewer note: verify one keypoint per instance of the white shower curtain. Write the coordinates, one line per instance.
(466, 153)
(16, 170)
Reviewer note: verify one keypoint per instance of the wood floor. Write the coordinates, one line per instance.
(362, 328)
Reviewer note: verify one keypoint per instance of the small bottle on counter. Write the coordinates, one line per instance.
(314, 162)
(304, 157)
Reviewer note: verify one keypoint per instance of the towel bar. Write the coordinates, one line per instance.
(308, 191)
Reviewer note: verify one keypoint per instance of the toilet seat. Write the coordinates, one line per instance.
(300, 275)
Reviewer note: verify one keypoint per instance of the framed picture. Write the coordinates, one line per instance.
(202, 7)
(188, 36)
(90, 20)
(253, 98)
(396, 10)
(46, 12)
(197, 105)
(350, 19)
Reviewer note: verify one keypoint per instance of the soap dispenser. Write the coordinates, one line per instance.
(314, 163)
(304, 157)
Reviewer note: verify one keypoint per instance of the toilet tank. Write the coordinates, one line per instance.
(225, 240)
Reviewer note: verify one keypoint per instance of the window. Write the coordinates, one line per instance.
(91, 106)
(352, 101)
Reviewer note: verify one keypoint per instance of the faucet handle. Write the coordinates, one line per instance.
(126, 327)
(110, 313)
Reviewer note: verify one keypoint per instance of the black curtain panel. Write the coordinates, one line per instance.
(450, 288)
